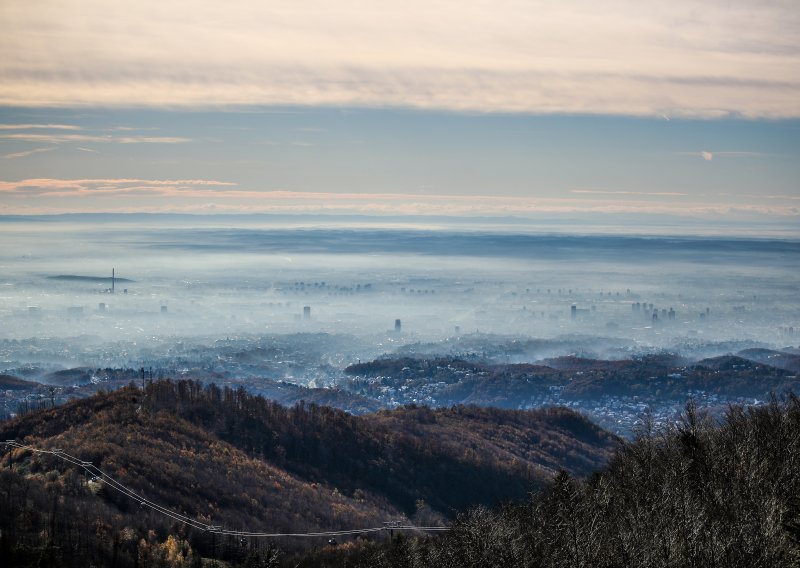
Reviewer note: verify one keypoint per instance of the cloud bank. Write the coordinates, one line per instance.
(57, 196)
(623, 57)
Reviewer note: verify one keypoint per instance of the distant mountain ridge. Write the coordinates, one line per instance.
(10, 382)
(458, 381)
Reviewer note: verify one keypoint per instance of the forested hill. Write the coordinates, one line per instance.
(652, 378)
(701, 494)
(243, 462)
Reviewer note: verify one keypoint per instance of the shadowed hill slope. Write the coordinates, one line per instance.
(701, 494)
(10, 382)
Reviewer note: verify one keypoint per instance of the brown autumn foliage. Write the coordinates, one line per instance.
(698, 494)
(229, 458)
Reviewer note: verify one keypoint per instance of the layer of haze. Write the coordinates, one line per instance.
(194, 280)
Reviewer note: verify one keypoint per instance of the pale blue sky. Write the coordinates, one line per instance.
(555, 161)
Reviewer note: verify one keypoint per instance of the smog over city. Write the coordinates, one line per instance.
(272, 299)
(195, 280)
(288, 276)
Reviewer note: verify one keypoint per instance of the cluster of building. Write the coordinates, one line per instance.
(652, 312)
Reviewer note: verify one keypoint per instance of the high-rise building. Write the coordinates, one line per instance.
(306, 312)
(397, 326)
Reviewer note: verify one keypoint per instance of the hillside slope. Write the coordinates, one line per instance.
(700, 494)
(653, 378)
(242, 462)
(10, 382)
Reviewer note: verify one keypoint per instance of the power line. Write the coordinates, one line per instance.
(101, 476)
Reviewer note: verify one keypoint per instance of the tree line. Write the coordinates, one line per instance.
(699, 494)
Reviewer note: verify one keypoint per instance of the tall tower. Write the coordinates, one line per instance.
(112, 280)
(397, 326)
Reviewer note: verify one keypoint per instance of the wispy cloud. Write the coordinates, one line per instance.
(639, 193)
(776, 197)
(709, 156)
(740, 154)
(61, 138)
(707, 59)
(128, 129)
(88, 187)
(39, 127)
(68, 195)
(26, 153)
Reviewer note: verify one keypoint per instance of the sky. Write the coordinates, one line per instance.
(507, 108)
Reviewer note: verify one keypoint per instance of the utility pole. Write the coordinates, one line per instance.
(214, 530)
(10, 446)
(390, 526)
